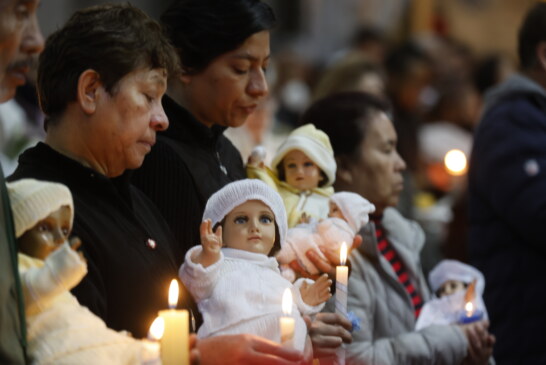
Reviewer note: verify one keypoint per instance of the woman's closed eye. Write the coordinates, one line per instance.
(240, 70)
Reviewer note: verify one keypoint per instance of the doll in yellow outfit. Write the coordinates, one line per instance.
(302, 171)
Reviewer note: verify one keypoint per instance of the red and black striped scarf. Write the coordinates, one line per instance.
(388, 252)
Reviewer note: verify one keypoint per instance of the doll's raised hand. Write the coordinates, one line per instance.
(75, 243)
(257, 157)
(305, 218)
(211, 242)
(318, 292)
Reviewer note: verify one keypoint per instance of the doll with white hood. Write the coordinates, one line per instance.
(302, 171)
(455, 285)
(348, 213)
(234, 276)
(59, 329)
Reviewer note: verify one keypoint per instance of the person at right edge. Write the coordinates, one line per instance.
(507, 192)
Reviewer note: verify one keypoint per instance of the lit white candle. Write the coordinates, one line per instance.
(151, 350)
(175, 340)
(342, 277)
(287, 322)
(469, 308)
(156, 329)
(470, 314)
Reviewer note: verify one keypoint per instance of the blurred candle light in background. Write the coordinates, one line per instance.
(455, 162)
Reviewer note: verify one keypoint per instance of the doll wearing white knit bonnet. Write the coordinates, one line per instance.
(240, 290)
(33, 200)
(59, 329)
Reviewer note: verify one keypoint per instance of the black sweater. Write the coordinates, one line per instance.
(127, 281)
(185, 167)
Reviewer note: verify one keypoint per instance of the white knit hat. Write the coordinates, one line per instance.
(354, 207)
(455, 270)
(315, 144)
(236, 193)
(33, 200)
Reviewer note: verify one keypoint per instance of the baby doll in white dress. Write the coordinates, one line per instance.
(233, 275)
(59, 329)
(348, 213)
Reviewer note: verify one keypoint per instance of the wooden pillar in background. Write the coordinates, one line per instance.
(421, 16)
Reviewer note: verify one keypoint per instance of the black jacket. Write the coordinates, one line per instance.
(507, 191)
(187, 165)
(127, 281)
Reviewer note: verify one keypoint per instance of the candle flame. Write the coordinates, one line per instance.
(287, 301)
(455, 162)
(469, 308)
(156, 329)
(343, 254)
(173, 294)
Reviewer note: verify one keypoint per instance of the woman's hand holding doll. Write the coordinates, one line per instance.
(327, 266)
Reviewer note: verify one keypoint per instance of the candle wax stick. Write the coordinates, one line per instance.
(175, 345)
(287, 331)
(342, 276)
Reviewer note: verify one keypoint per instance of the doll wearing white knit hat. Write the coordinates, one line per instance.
(60, 330)
(302, 171)
(348, 213)
(233, 275)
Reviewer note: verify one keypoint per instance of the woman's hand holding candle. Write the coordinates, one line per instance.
(328, 331)
(480, 342)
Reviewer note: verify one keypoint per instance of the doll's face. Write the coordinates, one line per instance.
(250, 227)
(450, 287)
(335, 212)
(300, 171)
(47, 235)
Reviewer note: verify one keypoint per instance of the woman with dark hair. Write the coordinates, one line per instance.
(387, 287)
(224, 51)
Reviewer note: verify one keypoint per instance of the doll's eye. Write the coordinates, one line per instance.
(43, 227)
(309, 164)
(266, 219)
(240, 220)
